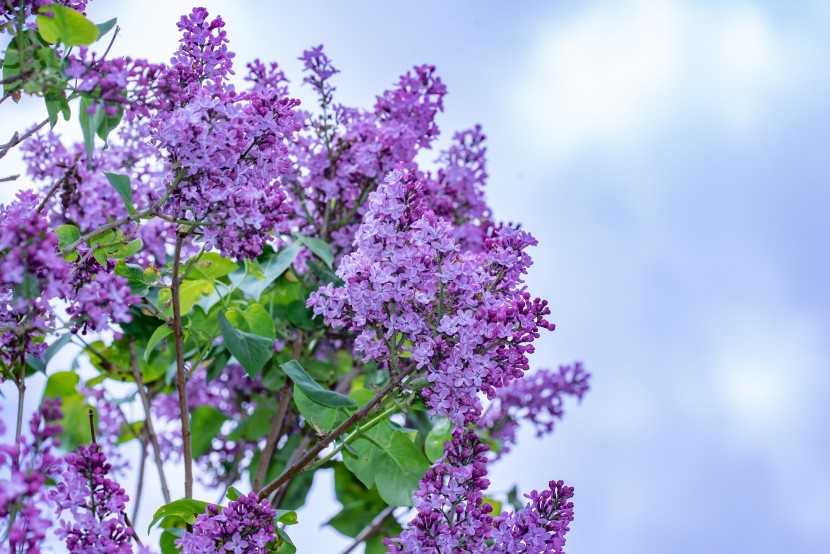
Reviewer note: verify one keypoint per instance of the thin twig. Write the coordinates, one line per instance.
(21, 394)
(277, 426)
(372, 528)
(181, 379)
(139, 487)
(130, 525)
(72, 170)
(18, 138)
(148, 424)
(9, 178)
(277, 497)
(309, 456)
(92, 426)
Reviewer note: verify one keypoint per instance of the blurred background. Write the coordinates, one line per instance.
(671, 156)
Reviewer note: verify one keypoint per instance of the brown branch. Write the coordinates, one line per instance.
(277, 497)
(17, 138)
(181, 379)
(139, 487)
(277, 427)
(372, 528)
(9, 178)
(148, 424)
(360, 414)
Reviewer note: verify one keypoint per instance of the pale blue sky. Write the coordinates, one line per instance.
(671, 156)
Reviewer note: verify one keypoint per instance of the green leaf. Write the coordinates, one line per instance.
(157, 336)
(110, 122)
(288, 517)
(67, 234)
(11, 67)
(90, 122)
(312, 388)
(319, 248)
(254, 427)
(167, 543)
(66, 26)
(61, 385)
(325, 274)
(434, 445)
(286, 546)
(56, 103)
(322, 418)
(254, 319)
(251, 351)
(136, 279)
(121, 251)
(211, 266)
(233, 493)
(121, 184)
(40, 365)
(190, 292)
(205, 424)
(273, 265)
(104, 28)
(387, 459)
(185, 508)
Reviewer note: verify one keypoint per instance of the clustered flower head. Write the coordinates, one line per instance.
(344, 154)
(31, 275)
(95, 504)
(464, 317)
(452, 515)
(538, 398)
(29, 462)
(227, 148)
(244, 526)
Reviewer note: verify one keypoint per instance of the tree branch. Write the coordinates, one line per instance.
(309, 456)
(277, 426)
(372, 528)
(181, 378)
(148, 424)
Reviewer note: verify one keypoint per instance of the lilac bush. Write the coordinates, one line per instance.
(280, 289)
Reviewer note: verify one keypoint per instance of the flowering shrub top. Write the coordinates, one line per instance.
(282, 289)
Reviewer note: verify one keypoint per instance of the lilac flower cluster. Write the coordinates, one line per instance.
(451, 513)
(345, 153)
(95, 504)
(116, 84)
(539, 527)
(464, 317)
(539, 398)
(30, 463)
(456, 194)
(244, 526)
(230, 146)
(453, 517)
(31, 275)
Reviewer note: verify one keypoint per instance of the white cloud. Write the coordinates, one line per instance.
(613, 73)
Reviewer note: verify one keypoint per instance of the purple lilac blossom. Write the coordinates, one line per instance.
(452, 516)
(539, 398)
(230, 146)
(29, 463)
(244, 526)
(345, 152)
(464, 317)
(95, 505)
(31, 275)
